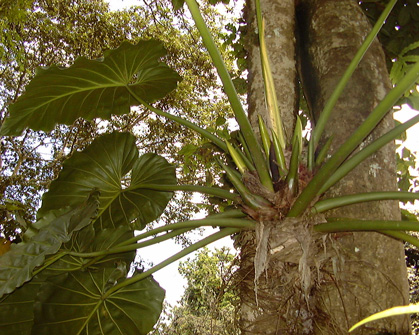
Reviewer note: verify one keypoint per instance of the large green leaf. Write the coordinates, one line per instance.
(92, 88)
(104, 165)
(80, 305)
(87, 240)
(140, 203)
(109, 238)
(81, 241)
(16, 309)
(17, 264)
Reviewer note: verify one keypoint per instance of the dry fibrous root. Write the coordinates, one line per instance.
(278, 273)
(279, 264)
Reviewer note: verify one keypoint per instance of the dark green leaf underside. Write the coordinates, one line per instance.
(104, 165)
(16, 309)
(17, 264)
(77, 305)
(92, 88)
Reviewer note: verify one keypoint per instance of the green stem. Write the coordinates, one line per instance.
(232, 213)
(297, 143)
(246, 160)
(217, 221)
(372, 148)
(323, 152)
(214, 191)
(264, 135)
(237, 158)
(232, 95)
(244, 145)
(325, 115)
(292, 176)
(212, 238)
(206, 134)
(131, 247)
(252, 200)
(50, 261)
(401, 236)
(313, 188)
(280, 158)
(365, 225)
(176, 229)
(327, 204)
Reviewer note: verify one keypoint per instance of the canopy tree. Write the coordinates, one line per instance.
(294, 206)
(208, 305)
(42, 33)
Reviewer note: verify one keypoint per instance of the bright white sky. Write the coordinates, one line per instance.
(121, 4)
(169, 277)
(412, 141)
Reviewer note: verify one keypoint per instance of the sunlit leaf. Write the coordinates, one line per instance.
(92, 88)
(80, 305)
(413, 102)
(17, 264)
(105, 165)
(188, 150)
(400, 310)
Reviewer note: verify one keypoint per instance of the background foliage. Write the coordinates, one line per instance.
(46, 32)
(208, 305)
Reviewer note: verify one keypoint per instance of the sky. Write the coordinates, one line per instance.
(169, 277)
(412, 140)
(121, 4)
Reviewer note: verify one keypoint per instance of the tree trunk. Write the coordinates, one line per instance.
(280, 40)
(316, 284)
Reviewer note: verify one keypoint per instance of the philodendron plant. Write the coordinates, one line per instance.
(69, 274)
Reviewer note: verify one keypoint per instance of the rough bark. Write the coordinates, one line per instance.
(280, 41)
(260, 308)
(367, 272)
(314, 284)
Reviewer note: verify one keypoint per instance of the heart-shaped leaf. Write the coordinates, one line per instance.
(92, 88)
(17, 264)
(104, 165)
(81, 241)
(110, 237)
(136, 202)
(80, 305)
